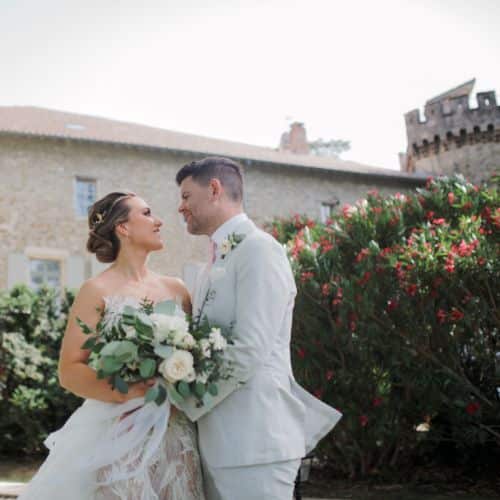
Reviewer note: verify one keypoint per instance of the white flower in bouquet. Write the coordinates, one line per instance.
(182, 339)
(165, 326)
(188, 342)
(205, 348)
(217, 340)
(177, 367)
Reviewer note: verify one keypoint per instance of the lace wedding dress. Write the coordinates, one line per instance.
(128, 451)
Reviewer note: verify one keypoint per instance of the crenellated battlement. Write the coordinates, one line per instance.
(449, 117)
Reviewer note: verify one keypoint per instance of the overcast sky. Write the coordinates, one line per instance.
(241, 70)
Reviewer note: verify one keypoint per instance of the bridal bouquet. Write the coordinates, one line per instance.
(159, 341)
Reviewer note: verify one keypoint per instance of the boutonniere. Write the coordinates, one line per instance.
(230, 243)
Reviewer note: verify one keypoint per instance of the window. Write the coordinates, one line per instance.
(85, 195)
(327, 209)
(44, 272)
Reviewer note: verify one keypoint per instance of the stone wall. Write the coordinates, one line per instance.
(37, 192)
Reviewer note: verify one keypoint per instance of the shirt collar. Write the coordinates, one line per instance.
(224, 230)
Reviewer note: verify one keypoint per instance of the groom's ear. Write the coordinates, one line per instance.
(216, 189)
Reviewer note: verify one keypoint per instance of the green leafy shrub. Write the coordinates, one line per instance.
(32, 404)
(397, 323)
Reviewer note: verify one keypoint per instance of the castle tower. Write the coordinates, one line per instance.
(454, 137)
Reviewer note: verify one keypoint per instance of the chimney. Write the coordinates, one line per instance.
(295, 141)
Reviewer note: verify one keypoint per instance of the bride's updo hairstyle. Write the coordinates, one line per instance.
(104, 215)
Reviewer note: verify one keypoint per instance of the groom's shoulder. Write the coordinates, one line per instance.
(259, 241)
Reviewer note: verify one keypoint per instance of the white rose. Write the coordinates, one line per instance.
(177, 367)
(217, 340)
(205, 348)
(183, 339)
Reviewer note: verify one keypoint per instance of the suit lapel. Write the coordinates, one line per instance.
(203, 282)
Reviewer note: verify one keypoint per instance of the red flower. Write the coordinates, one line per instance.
(481, 261)
(429, 215)
(472, 408)
(392, 304)
(365, 279)
(385, 251)
(377, 210)
(412, 290)
(310, 223)
(329, 375)
(377, 402)
(318, 393)
(301, 353)
(338, 297)
(306, 276)
(441, 316)
(456, 314)
(467, 206)
(449, 264)
(363, 420)
(451, 198)
(325, 289)
(362, 254)
(439, 222)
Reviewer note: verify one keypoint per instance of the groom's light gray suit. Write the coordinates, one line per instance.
(261, 421)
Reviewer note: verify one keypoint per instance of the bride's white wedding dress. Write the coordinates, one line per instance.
(128, 451)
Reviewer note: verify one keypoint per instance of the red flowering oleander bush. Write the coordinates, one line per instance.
(397, 324)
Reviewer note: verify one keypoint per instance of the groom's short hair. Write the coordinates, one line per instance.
(227, 171)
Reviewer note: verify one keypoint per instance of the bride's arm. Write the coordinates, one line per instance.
(74, 373)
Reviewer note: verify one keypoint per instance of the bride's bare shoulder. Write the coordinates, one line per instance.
(93, 290)
(174, 285)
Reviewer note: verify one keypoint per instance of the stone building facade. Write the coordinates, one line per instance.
(454, 137)
(46, 157)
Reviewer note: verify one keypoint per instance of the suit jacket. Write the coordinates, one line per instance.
(260, 415)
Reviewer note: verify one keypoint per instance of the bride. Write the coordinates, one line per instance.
(114, 446)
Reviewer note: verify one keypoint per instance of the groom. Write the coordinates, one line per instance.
(253, 434)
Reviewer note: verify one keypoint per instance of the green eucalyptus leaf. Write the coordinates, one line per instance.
(184, 389)
(120, 384)
(152, 394)
(147, 368)
(164, 351)
(162, 395)
(213, 389)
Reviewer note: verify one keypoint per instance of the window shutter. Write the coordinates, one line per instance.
(18, 268)
(75, 271)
